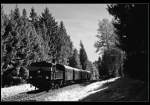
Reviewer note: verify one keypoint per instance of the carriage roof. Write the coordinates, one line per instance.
(75, 69)
(71, 68)
(43, 63)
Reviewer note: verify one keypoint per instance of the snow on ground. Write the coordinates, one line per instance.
(73, 94)
(13, 90)
(80, 92)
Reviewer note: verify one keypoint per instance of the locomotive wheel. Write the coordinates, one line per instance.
(53, 86)
(57, 86)
(47, 90)
(60, 84)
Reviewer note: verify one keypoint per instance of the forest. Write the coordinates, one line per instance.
(32, 39)
(123, 43)
(124, 40)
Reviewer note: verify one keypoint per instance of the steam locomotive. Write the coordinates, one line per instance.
(44, 75)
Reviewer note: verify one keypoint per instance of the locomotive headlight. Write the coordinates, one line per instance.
(47, 77)
(39, 71)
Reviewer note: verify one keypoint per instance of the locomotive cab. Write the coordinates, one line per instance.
(40, 74)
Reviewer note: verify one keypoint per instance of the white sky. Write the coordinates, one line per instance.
(81, 21)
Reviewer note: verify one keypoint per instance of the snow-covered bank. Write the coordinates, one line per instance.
(10, 91)
(74, 92)
(79, 93)
(121, 90)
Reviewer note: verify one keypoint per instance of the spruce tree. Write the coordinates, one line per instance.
(64, 45)
(33, 15)
(83, 56)
(74, 61)
(24, 13)
(106, 36)
(16, 13)
(52, 32)
(131, 22)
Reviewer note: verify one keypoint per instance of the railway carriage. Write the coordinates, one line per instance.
(44, 75)
(77, 73)
(58, 77)
(69, 74)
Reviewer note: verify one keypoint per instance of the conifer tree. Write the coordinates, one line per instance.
(83, 56)
(75, 60)
(52, 32)
(16, 13)
(131, 22)
(24, 13)
(106, 36)
(64, 45)
(33, 15)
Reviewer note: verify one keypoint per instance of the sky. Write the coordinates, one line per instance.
(80, 20)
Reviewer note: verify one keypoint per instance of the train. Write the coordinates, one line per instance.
(45, 75)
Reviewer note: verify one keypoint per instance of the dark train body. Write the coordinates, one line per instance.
(44, 75)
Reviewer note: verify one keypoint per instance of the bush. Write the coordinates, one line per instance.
(112, 63)
(11, 76)
(24, 73)
(16, 80)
